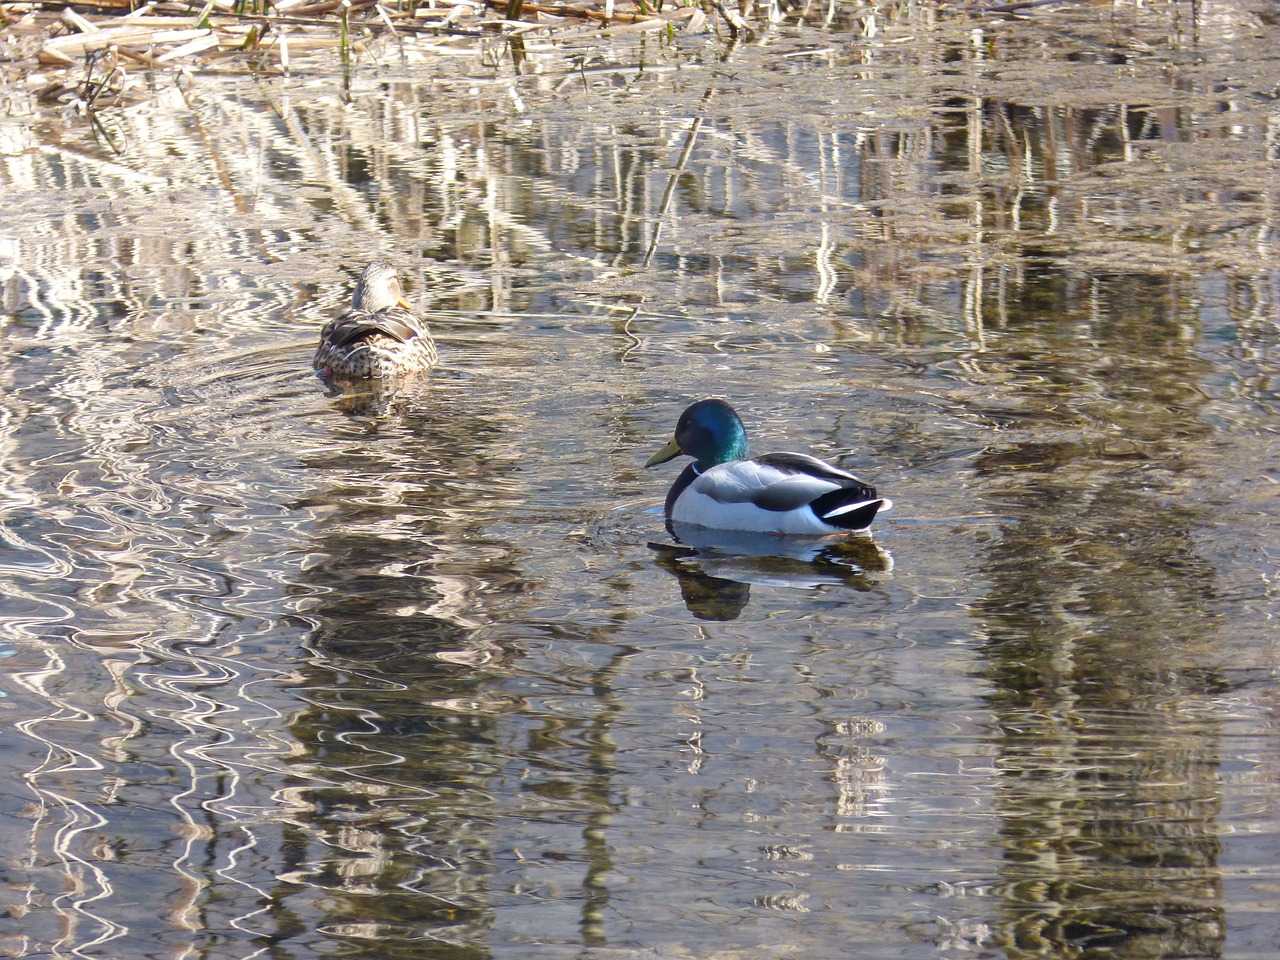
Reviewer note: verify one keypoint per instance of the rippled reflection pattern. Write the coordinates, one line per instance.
(419, 671)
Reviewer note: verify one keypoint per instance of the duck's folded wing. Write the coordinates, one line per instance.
(802, 463)
(397, 324)
(778, 482)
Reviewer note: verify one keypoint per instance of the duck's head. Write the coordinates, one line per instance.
(378, 288)
(710, 432)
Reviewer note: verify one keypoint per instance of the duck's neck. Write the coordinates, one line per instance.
(733, 449)
(687, 476)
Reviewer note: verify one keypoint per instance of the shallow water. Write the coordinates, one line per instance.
(298, 674)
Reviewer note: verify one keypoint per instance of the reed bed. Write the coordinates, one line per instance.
(106, 37)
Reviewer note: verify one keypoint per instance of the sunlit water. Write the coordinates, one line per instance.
(293, 674)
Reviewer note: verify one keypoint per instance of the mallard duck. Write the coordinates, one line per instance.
(380, 336)
(780, 493)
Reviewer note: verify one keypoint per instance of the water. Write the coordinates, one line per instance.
(293, 674)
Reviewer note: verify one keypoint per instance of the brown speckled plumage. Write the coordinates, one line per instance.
(379, 337)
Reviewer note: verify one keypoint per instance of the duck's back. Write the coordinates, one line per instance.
(380, 344)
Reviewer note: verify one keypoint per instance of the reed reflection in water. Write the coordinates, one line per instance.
(422, 674)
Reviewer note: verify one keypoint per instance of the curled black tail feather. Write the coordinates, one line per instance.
(850, 508)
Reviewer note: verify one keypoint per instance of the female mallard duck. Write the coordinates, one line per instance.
(781, 493)
(379, 336)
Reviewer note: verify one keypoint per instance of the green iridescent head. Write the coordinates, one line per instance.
(710, 432)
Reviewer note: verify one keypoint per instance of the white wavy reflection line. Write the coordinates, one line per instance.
(85, 882)
(313, 696)
(82, 876)
(15, 494)
(242, 922)
(215, 780)
(58, 296)
(362, 774)
(225, 728)
(220, 702)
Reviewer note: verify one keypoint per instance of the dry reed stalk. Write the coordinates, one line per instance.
(172, 33)
(66, 49)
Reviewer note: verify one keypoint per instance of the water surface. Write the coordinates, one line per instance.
(295, 674)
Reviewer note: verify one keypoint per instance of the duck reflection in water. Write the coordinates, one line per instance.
(778, 519)
(716, 568)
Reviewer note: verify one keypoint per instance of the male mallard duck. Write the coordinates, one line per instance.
(380, 336)
(782, 493)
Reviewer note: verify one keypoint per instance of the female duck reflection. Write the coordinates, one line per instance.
(758, 520)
